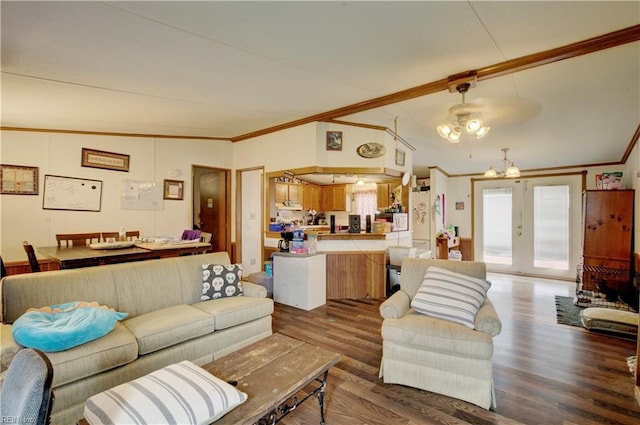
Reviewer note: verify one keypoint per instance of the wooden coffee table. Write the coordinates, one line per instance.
(271, 372)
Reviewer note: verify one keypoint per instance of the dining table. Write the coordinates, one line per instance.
(102, 254)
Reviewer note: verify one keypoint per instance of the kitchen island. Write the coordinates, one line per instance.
(299, 280)
(356, 264)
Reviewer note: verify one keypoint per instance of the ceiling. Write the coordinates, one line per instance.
(229, 69)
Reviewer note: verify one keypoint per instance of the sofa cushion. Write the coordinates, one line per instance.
(451, 296)
(234, 311)
(63, 326)
(115, 349)
(168, 326)
(179, 393)
(437, 335)
(221, 280)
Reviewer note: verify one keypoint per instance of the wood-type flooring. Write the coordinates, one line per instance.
(545, 373)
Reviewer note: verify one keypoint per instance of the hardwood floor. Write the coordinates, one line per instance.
(544, 373)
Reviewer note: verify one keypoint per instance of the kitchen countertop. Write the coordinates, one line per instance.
(346, 236)
(295, 255)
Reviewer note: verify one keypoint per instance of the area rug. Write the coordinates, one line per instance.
(567, 313)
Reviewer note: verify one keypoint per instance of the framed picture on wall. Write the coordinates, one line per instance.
(334, 140)
(18, 180)
(399, 157)
(173, 189)
(105, 160)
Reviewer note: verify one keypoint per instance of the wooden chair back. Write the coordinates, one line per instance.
(77, 239)
(31, 255)
(3, 269)
(132, 235)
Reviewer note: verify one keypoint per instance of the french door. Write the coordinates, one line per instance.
(528, 225)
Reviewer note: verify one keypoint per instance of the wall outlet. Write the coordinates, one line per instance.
(252, 262)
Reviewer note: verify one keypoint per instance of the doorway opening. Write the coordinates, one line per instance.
(212, 205)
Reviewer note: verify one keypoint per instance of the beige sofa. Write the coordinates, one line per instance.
(167, 322)
(435, 354)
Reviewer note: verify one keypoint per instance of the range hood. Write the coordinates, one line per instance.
(289, 206)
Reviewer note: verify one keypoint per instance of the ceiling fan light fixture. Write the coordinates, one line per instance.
(473, 125)
(443, 130)
(482, 132)
(463, 116)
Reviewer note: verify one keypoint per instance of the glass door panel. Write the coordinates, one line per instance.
(529, 226)
(497, 243)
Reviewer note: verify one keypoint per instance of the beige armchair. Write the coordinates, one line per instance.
(435, 354)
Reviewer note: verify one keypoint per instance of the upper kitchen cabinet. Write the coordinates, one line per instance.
(383, 195)
(384, 191)
(334, 198)
(288, 192)
(311, 195)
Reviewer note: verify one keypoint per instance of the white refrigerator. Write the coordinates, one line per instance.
(421, 219)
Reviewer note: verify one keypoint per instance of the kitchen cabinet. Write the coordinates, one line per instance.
(383, 195)
(288, 192)
(282, 192)
(334, 198)
(311, 197)
(384, 190)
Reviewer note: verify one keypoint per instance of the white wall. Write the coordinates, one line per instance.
(305, 146)
(22, 216)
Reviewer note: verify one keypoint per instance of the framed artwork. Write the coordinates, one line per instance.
(174, 190)
(399, 157)
(334, 140)
(107, 160)
(459, 205)
(371, 150)
(18, 180)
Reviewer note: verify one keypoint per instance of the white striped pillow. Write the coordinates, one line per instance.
(451, 296)
(181, 393)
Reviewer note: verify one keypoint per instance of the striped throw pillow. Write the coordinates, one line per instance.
(181, 393)
(451, 296)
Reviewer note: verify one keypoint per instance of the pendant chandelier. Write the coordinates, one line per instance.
(462, 117)
(510, 169)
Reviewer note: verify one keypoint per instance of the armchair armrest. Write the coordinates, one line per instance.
(8, 346)
(396, 305)
(487, 319)
(253, 290)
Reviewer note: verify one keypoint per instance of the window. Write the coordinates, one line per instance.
(365, 202)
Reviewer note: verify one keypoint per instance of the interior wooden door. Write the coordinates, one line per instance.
(214, 210)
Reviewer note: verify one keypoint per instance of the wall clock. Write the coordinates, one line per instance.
(371, 150)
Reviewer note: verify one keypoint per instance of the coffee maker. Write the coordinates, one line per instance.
(283, 244)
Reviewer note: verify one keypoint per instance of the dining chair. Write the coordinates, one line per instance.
(26, 389)
(205, 237)
(3, 269)
(131, 235)
(31, 255)
(77, 239)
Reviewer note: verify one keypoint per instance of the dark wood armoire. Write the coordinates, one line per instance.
(606, 270)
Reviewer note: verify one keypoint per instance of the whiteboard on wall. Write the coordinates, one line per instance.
(141, 195)
(71, 193)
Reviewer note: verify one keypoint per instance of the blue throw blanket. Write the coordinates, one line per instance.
(63, 326)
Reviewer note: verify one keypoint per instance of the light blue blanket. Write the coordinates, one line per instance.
(65, 326)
